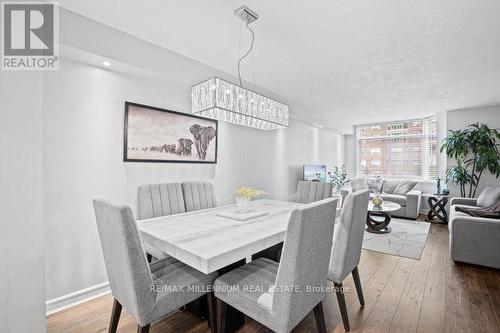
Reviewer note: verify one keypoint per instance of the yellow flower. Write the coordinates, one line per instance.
(247, 192)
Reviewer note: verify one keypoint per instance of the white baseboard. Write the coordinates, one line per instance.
(77, 297)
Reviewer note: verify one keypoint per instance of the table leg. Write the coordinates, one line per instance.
(234, 318)
(378, 222)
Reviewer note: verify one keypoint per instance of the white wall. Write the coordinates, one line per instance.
(351, 155)
(458, 119)
(83, 139)
(22, 276)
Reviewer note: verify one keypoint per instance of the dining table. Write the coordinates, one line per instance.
(209, 241)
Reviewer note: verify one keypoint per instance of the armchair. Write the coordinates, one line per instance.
(475, 240)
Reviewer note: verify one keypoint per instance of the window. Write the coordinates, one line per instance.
(399, 149)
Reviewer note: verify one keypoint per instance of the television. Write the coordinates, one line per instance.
(315, 173)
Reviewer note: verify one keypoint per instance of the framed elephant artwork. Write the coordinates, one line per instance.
(157, 135)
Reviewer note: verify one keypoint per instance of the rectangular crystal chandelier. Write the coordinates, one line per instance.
(219, 99)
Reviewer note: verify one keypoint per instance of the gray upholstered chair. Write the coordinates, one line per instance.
(140, 287)
(475, 240)
(304, 263)
(346, 249)
(155, 200)
(160, 200)
(198, 195)
(308, 192)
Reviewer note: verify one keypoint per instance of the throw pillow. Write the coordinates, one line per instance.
(404, 187)
(388, 186)
(489, 196)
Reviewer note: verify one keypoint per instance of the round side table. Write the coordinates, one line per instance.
(437, 207)
(378, 218)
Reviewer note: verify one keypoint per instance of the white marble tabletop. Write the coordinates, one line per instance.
(387, 206)
(208, 242)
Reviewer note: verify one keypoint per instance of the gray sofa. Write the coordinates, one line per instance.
(475, 240)
(389, 191)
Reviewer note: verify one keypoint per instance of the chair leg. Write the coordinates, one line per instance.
(115, 316)
(221, 315)
(320, 317)
(149, 257)
(212, 315)
(343, 308)
(357, 283)
(144, 329)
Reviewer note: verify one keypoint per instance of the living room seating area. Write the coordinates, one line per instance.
(393, 190)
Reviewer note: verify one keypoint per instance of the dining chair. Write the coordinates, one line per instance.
(308, 192)
(155, 200)
(160, 200)
(303, 268)
(148, 292)
(346, 249)
(198, 195)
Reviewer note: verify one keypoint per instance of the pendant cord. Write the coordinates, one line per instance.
(247, 53)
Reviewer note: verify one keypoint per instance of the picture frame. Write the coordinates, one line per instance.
(155, 135)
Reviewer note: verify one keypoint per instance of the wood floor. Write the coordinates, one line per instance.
(402, 295)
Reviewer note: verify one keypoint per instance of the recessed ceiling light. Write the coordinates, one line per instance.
(106, 63)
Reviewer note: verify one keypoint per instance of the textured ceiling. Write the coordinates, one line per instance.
(345, 62)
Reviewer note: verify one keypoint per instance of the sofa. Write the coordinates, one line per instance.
(399, 191)
(475, 240)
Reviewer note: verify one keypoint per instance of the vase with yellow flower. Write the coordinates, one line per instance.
(243, 197)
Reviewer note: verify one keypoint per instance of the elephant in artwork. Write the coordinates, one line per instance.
(170, 148)
(202, 137)
(184, 147)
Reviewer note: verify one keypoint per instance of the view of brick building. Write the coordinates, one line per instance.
(404, 148)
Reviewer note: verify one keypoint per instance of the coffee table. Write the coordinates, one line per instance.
(378, 218)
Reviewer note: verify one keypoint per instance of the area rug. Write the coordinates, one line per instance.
(407, 239)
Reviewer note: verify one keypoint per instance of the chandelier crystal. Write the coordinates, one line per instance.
(222, 100)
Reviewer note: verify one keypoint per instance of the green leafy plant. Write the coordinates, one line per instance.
(475, 149)
(338, 177)
(460, 176)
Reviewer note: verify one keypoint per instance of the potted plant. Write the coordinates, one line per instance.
(243, 197)
(475, 149)
(338, 178)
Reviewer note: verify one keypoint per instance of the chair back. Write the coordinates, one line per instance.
(308, 192)
(160, 200)
(198, 195)
(348, 238)
(126, 265)
(304, 261)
